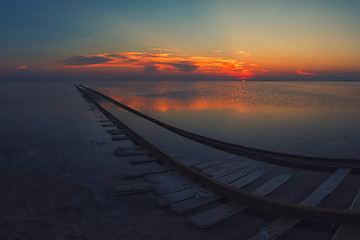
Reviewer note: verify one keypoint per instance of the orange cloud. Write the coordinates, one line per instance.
(164, 62)
(21, 67)
(307, 73)
(246, 54)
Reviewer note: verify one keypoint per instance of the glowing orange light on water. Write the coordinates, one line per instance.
(167, 104)
(307, 73)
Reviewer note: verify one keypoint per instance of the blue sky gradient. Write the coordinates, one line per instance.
(283, 37)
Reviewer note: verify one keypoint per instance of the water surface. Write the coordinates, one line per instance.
(312, 118)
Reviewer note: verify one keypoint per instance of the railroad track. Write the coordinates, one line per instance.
(307, 162)
(210, 192)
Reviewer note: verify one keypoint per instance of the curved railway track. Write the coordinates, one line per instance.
(191, 185)
(284, 159)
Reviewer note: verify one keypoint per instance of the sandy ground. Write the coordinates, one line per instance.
(58, 174)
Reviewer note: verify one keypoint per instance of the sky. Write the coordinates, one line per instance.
(195, 40)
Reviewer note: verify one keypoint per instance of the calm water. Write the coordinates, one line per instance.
(313, 118)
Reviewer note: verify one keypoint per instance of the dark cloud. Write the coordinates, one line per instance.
(114, 55)
(129, 60)
(125, 59)
(118, 56)
(151, 69)
(83, 60)
(184, 67)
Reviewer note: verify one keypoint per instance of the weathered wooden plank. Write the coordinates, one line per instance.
(224, 169)
(283, 224)
(238, 174)
(191, 204)
(217, 168)
(143, 160)
(133, 188)
(140, 173)
(216, 215)
(165, 200)
(203, 166)
(169, 182)
(163, 189)
(225, 211)
(251, 177)
(232, 176)
(349, 231)
(326, 188)
(276, 228)
(193, 162)
(223, 172)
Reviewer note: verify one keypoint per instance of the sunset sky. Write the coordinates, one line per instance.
(199, 39)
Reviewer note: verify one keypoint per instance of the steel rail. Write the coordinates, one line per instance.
(267, 204)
